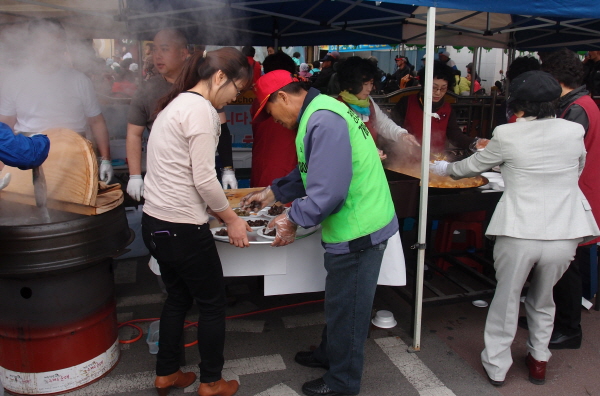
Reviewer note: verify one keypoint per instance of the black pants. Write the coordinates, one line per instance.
(567, 295)
(191, 270)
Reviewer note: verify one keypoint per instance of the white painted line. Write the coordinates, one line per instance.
(233, 369)
(255, 365)
(415, 371)
(246, 326)
(145, 380)
(317, 318)
(278, 390)
(145, 299)
(126, 271)
(123, 383)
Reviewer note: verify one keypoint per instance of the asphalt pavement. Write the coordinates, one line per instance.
(260, 348)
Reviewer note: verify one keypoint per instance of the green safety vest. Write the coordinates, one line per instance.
(368, 206)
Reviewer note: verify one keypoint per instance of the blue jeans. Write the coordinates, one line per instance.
(349, 291)
(191, 270)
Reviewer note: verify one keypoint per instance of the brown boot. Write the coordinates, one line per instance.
(219, 388)
(178, 380)
(537, 370)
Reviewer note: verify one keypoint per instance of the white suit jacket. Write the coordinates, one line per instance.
(540, 162)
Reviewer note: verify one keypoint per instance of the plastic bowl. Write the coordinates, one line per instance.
(384, 319)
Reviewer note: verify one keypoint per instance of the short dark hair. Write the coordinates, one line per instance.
(248, 50)
(353, 72)
(533, 109)
(440, 71)
(296, 55)
(316, 64)
(565, 66)
(293, 88)
(279, 61)
(521, 65)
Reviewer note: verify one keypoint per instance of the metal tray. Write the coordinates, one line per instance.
(256, 239)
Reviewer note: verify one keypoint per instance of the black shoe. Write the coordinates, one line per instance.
(493, 382)
(308, 359)
(523, 322)
(318, 387)
(563, 341)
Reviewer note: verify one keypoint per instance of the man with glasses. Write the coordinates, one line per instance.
(169, 55)
(408, 113)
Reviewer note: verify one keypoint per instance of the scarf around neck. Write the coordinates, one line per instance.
(359, 105)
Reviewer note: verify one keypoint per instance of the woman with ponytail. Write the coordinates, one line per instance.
(181, 187)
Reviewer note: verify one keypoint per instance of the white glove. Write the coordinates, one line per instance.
(106, 171)
(135, 187)
(439, 168)
(228, 179)
(4, 181)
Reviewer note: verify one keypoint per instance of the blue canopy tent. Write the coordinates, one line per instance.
(530, 25)
(508, 24)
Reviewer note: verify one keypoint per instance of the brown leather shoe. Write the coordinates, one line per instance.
(219, 388)
(178, 380)
(537, 370)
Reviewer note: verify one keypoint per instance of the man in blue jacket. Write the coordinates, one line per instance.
(21, 151)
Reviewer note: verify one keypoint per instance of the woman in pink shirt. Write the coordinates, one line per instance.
(181, 187)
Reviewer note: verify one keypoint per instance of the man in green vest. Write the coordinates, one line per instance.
(340, 184)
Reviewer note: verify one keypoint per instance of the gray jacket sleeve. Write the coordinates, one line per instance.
(328, 155)
(289, 187)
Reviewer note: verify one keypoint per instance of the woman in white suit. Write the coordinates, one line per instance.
(538, 223)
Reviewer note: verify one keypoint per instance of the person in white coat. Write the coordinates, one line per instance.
(538, 223)
(356, 77)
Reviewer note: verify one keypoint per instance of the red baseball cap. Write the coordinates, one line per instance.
(269, 83)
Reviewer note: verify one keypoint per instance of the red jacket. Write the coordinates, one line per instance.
(589, 181)
(273, 150)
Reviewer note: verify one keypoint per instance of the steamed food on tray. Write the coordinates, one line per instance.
(442, 181)
(257, 223)
(272, 233)
(222, 232)
(276, 210)
(241, 212)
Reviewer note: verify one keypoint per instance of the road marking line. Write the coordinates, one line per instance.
(121, 384)
(415, 371)
(145, 380)
(126, 272)
(278, 390)
(145, 299)
(317, 318)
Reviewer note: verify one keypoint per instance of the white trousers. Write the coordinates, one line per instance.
(513, 260)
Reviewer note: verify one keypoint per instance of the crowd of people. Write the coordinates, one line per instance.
(321, 155)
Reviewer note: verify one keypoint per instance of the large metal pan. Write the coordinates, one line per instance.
(449, 186)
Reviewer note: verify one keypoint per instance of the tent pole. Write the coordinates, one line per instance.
(427, 103)
(479, 56)
(473, 72)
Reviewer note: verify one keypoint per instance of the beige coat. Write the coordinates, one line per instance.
(540, 162)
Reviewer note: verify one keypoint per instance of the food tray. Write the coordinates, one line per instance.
(255, 239)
